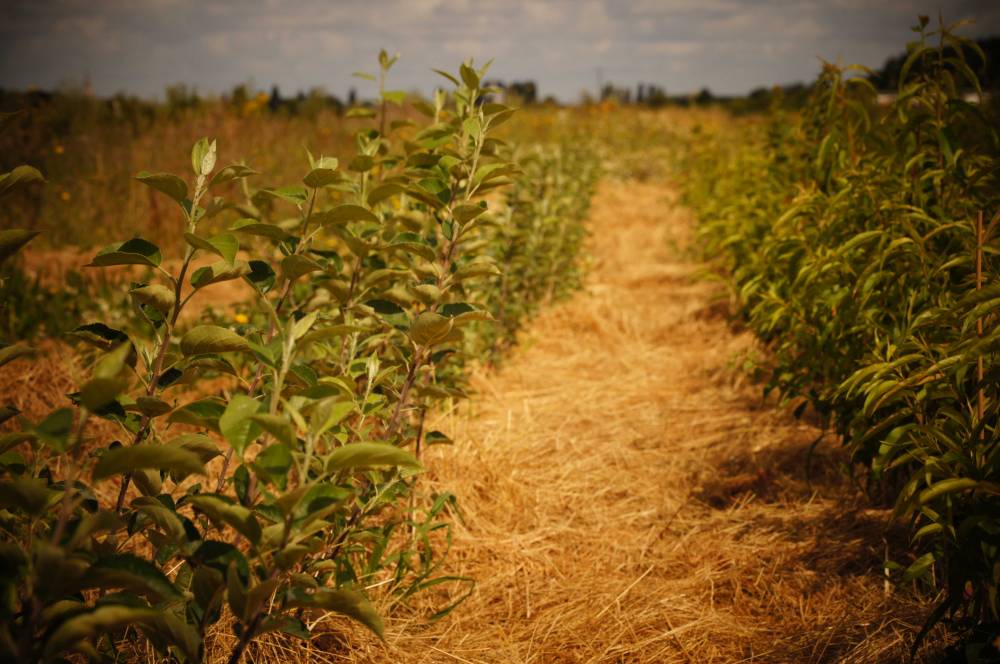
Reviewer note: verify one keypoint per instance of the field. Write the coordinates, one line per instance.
(452, 380)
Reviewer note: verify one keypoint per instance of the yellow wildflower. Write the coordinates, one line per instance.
(64, 196)
(58, 149)
(242, 319)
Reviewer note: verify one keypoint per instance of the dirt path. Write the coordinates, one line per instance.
(629, 499)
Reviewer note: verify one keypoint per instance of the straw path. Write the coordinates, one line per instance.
(628, 498)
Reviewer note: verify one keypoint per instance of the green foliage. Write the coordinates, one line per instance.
(859, 243)
(373, 283)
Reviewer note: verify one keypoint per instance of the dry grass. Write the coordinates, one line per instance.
(628, 498)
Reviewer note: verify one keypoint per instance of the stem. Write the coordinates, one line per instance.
(245, 638)
(404, 394)
(980, 396)
(66, 507)
(413, 487)
(157, 368)
(381, 93)
(255, 384)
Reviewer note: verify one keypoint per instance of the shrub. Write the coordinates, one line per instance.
(371, 282)
(859, 244)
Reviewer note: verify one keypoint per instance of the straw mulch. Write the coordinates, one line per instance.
(627, 497)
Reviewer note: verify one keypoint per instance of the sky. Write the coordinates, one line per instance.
(566, 46)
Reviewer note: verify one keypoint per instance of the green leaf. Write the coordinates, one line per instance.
(102, 620)
(297, 265)
(222, 512)
(212, 339)
(114, 362)
(7, 412)
(322, 177)
(157, 296)
(236, 592)
(230, 173)
(55, 429)
(278, 426)
(472, 127)
(225, 245)
(293, 194)
(201, 413)
(919, 567)
(424, 107)
(207, 586)
(97, 393)
(257, 596)
(148, 481)
(235, 424)
(483, 266)
(396, 97)
(447, 76)
(162, 517)
(385, 307)
(343, 214)
(328, 413)
(469, 76)
(301, 326)
(360, 112)
(201, 445)
(152, 406)
(430, 328)
(468, 212)
(100, 335)
(361, 163)
(943, 487)
(165, 183)
(121, 460)
(359, 455)
(203, 157)
(384, 191)
(287, 625)
(14, 351)
(350, 603)
(254, 227)
(497, 114)
(29, 495)
(133, 252)
(13, 239)
(93, 523)
(19, 178)
(437, 438)
(261, 276)
(273, 464)
(129, 571)
(218, 272)
(173, 631)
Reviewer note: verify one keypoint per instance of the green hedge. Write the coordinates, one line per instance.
(861, 246)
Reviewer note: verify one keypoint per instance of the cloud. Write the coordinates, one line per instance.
(727, 45)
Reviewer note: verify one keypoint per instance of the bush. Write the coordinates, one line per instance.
(859, 244)
(372, 280)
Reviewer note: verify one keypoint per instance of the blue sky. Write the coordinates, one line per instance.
(730, 46)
